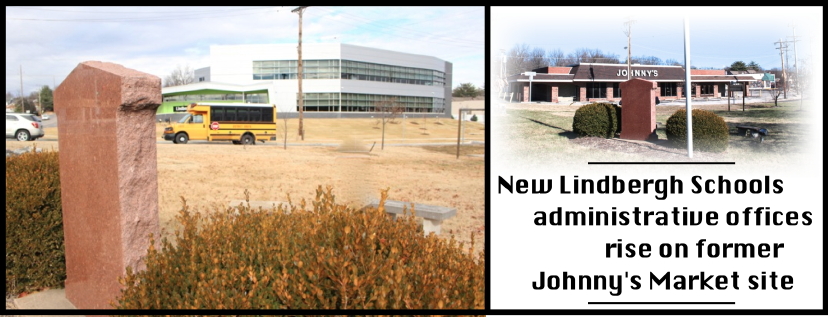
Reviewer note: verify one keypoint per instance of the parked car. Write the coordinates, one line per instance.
(44, 117)
(23, 126)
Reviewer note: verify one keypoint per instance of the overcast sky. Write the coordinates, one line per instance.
(718, 35)
(49, 42)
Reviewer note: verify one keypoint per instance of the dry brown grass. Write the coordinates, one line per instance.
(414, 129)
(210, 175)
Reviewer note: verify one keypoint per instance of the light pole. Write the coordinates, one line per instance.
(299, 76)
(628, 32)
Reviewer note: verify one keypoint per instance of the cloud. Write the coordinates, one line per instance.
(48, 42)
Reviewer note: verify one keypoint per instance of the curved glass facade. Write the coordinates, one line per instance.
(330, 69)
(329, 102)
(250, 97)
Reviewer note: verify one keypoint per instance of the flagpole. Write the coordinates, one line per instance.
(689, 107)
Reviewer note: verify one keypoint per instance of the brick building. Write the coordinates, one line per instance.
(586, 82)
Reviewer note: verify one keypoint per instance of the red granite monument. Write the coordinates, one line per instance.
(109, 186)
(638, 109)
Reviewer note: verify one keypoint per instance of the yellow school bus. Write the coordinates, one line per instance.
(241, 123)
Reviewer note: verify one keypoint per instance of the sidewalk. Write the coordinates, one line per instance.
(48, 299)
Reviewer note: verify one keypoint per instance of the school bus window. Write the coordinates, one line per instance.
(242, 115)
(230, 114)
(267, 115)
(198, 118)
(185, 119)
(255, 115)
(217, 114)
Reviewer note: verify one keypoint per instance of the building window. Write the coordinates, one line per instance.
(345, 69)
(330, 102)
(616, 90)
(253, 97)
(668, 89)
(706, 89)
(596, 90)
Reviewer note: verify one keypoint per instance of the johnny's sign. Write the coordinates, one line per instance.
(638, 72)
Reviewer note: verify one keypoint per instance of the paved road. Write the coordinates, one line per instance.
(52, 122)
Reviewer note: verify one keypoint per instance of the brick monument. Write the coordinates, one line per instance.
(638, 109)
(108, 179)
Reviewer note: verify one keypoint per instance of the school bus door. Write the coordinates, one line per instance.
(198, 127)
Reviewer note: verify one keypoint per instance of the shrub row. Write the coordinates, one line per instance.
(322, 256)
(34, 223)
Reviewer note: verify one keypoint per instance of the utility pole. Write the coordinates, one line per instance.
(300, 10)
(796, 68)
(628, 32)
(781, 48)
(22, 103)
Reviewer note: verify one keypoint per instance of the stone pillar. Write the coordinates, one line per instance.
(679, 91)
(108, 178)
(582, 96)
(638, 109)
(698, 91)
(526, 93)
(554, 94)
(716, 90)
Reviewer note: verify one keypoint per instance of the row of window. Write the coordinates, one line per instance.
(249, 114)
(331, 102)
(331, 69)
(252, 98)
(599, 90)
(324, 101)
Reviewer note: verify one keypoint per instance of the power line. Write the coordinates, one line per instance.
(168, 17)
(224, 9)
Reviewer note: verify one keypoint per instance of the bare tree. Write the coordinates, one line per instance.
(284, 141)
(555, 57)
(537, 59)
(647, 60)
(775, 94)
(585, 55)
(387, 110)
(803, 80)
(179, 76)
(673, 62)
(517, 56)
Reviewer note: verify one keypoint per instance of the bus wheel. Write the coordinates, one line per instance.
(181, 138)
(248, 139)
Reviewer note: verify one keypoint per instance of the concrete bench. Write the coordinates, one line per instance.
(432, 215)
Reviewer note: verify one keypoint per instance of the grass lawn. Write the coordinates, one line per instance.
(540, 134)
(427, 170)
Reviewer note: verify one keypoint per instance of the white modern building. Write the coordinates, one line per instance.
(340, 80)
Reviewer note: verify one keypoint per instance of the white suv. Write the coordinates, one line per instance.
(23, 126)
